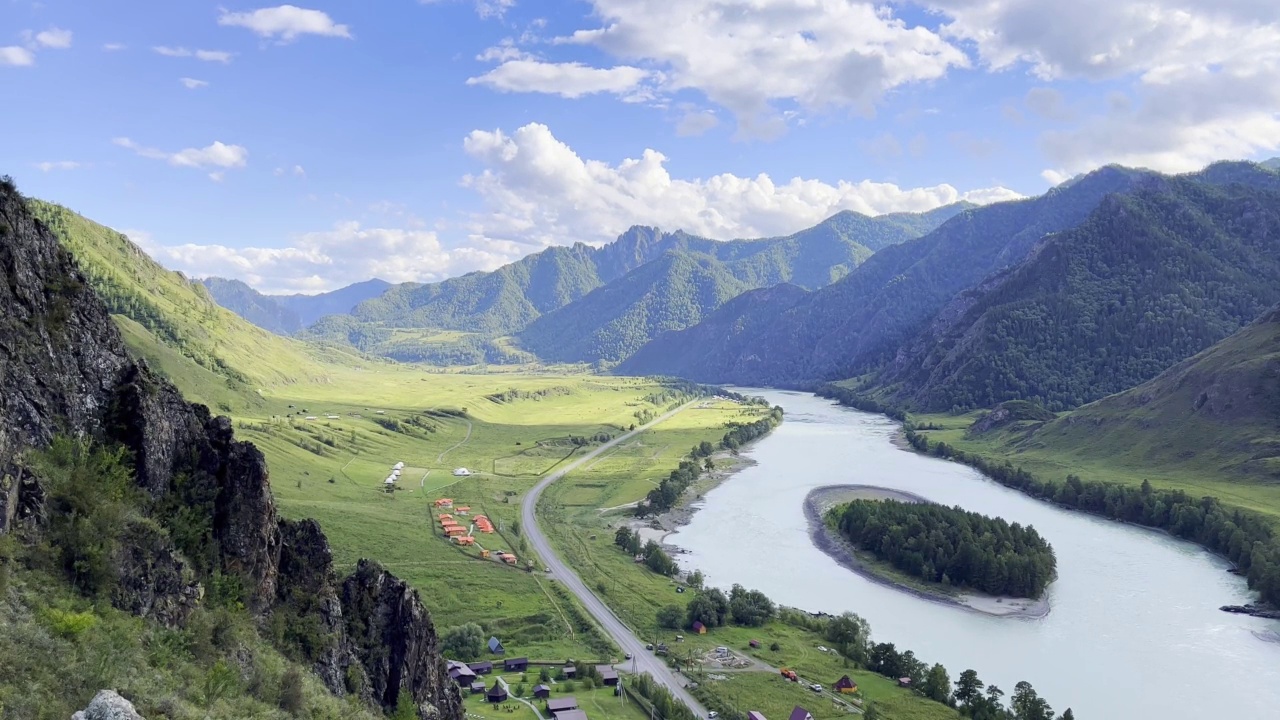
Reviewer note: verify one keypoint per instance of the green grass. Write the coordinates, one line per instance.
(775, 697)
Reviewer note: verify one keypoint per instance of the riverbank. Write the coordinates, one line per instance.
(820, 500)
(659, 527)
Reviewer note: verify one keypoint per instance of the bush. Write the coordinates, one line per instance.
(291, 700)
(219, 682)
(67, 624)
(670, 617)
(775, 647)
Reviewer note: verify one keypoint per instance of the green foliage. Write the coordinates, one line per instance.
(405, 709)
(749, 608)
(670, 617)
(709, 607)
(220, 681)
(1149, 279)
(68, 624)
(291, 698)
(668, 492)
(89, 487)
(465, 642)
(1245, 538)
(950, 545)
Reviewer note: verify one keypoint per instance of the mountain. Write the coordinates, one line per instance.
(133, 501)
(1152, 277)
(1217, 412)
(611, 322)
(507, 300)
(860, 321)
(311, 308)
(1272, 164)
(216, 356)
(264, 311)
(287, 314)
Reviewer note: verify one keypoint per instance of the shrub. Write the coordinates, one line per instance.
(67, 624)
(291, 700)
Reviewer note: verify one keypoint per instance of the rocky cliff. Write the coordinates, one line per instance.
(64, 370)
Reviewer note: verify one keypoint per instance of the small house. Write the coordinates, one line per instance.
(515, 664)
(509, 559)
(755, 715)
(699, 628)
(904, 682)
(464, 540)
(846, 685)
(800, 714)
(755, 643)
(455, 530)
(497, 693)
(463, 509)
(484, 554)
(481, 668)
(570, 672)
(541, 691)
(608, 675)
(444, 503)
(561, 705)
(495, 647)
(444, 516)
(571, 715)
(463, 676)
(477, 688)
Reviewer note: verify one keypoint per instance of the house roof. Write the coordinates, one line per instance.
(845, 682)
(477, 686)
(800, 714)
(571, 715)
(494, 642)
(486, 665)
(697, 625)
(607, 673)
(515, 661)
(755, 715)
(536, 688)
(561, 704)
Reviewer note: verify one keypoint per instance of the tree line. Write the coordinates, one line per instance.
(668, 492)
(1244, 538)
(949, 545)
(655, 558)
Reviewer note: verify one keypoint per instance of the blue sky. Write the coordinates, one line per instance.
(305, 147)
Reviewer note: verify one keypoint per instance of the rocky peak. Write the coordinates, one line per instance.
(65, 370)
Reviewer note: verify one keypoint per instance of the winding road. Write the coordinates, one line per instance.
(642, 660)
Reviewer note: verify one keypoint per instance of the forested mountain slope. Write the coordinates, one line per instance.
(311, 308)
(1218, 411)
(508, 299)
(860, 321)
(173, 320)
(1152, 277)
(674, 291)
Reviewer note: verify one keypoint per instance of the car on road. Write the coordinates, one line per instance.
(822, 648)
(713, 715)
(648, 646)
(628, 656)
(816, 687)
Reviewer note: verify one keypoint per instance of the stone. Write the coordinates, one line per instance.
(108, 705)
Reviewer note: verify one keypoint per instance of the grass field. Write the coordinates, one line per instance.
(1110, 458)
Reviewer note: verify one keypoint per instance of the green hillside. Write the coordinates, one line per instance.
(176, 319)
(1151, 278)
(861, 320)
(673, 292)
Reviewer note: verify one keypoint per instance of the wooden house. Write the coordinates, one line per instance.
(555, 706)
(846, 685)
(495, 647)
(477, 688)
(541, 691)
(515, 664)
(755, 715)
(481, 668)
(800, 714)
(755, 643)
(570, 672)
(904, 682)
(608, 675)
(497, 693)
(699, 628)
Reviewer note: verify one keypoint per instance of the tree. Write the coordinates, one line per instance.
(937, 684)
(669, 617)
(968, 688)
(291, 699)
(695, 579)
(622, 538)
(1068, 715)
(872, 712)
(750, 608)
(404, 708)
(544, 675)
(464, 642)
(849, 633)
(1028, 705)
(710, 607)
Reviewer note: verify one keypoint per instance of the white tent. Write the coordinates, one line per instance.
(395, 473)
(399, 466)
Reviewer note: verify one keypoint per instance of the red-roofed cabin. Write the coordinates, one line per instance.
(464, 540)
(455, 531)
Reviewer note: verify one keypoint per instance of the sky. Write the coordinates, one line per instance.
(303, 148)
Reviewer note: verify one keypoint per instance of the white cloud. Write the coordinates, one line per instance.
(285, 22)
(296, 171)
(569, 80)
(484, 8)
(16, 56)
(817, 55)
(216, 155)
(539, 192)
(696, 122)
(192, 83)
(218, 56)
(49, 166)
(113, 47)
(54, 38)
(318, 261)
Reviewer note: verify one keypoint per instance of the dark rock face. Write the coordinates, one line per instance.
(392, 634)
(155, 581)
(64, 369)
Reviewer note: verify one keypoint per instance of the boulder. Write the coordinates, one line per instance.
(108, 705)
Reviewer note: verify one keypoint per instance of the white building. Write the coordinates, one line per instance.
(461, 472)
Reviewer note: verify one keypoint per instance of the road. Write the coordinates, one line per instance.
(644, 660)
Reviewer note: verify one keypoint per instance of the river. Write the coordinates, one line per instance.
(1134, 630)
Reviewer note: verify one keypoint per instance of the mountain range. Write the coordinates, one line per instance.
(288, 314)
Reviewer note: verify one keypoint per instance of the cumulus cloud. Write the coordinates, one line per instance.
(218, 56)
(285, 22)
(1204, 74)
(569, 80)
(16, 56)
(317, 261)
(297, 171)
(55, 38)
(539, 192)
(813, 54)
(484, 8)
(192, 83)
(216, 157)
(113, 47)
(695, 122)
(50, 166)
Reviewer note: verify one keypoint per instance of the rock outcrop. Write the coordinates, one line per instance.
(64, 369)
(391, 632)
(108, 705)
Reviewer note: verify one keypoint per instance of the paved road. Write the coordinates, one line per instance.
(644, 660)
